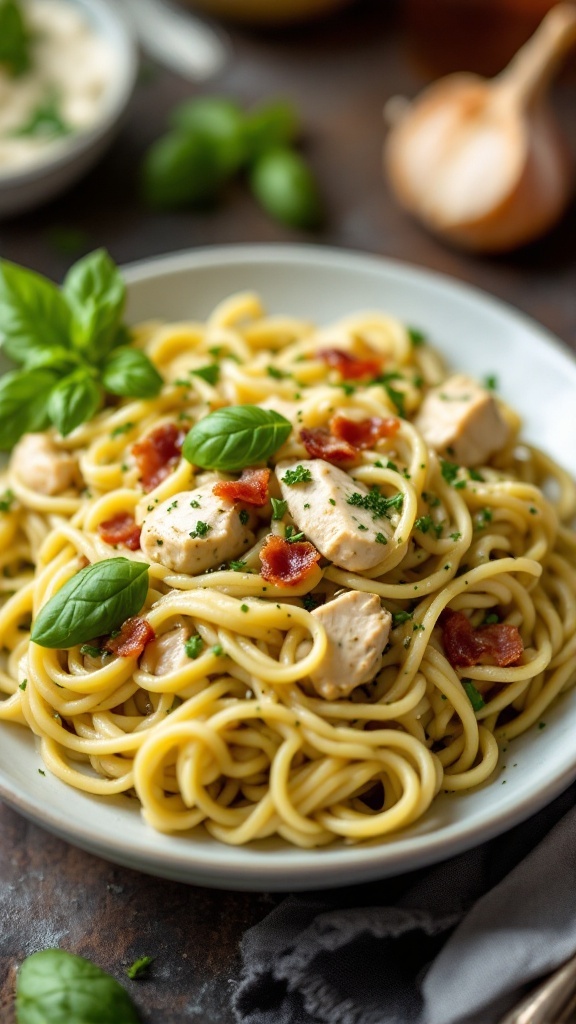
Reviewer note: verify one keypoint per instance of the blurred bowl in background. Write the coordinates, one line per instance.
(33, 178)
(267, 12)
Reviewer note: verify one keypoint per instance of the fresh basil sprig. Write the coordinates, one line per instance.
(235, 437)
(75, 338)
(53, 986)
(96, 601)
(14, 38)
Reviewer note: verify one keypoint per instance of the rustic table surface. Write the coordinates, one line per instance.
(339, 73)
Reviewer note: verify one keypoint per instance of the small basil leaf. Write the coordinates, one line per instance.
(14, 39)
(235, 437)
(269, 126)
(284, 185)
(34, 315)
(95, 601)
(23, 399)
(218, 119)
(181, 169)
(74, 400)
(96, 293)
(129, 372)
(53, 986)
(61, 360)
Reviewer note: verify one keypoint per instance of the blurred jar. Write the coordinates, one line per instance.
(267, 12)
(470, 35)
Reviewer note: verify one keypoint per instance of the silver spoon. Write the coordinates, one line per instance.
(177, 39)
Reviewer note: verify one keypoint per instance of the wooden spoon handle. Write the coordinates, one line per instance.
(530, 72)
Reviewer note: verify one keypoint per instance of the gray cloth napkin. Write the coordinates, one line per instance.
(458, 943)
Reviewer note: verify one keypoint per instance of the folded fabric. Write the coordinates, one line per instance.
(458, 943)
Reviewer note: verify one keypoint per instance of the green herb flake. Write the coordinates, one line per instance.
(417, 337)
(292, 535)
(90, 651)
(23, 684)
(424, 524)
(399, 617)
(210, 373)
(376, 503)
(200, 530)
(193, 646)
(275, 373)
(541, 725)
(218, 650)
(380, 538)
(449, 470)
(7, 499)
(300, 475)
(140, 968)
(243, 516)
(123, 428)
(474, 696)
(279, 508)
(238, 566)
(491, 382)
(491, 619)
(244, 608)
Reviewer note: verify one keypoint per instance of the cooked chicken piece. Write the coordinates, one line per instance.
(349, 535)
(166, 653)
(42, 466)
(461, 421)
(357, 628)
(195, 530)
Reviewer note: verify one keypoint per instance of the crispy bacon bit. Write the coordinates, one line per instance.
(364, 433)
(121, 529)
(320, 444)
(497, 644)
(157, 453)
(286, 564)
(349, 366)
(251, 488)
(132, 638)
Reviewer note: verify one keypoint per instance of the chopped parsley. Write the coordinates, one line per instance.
(455, 536)
(376, 503)
(277, 374)
(23, 684)
(238, 566)
(244, 608)
(380, 538)
(291, 534)
(399, 617)
(218, 650)
(475, 474)
(140, 968)
(92, 652)
(300, 475)
(431, 499)
(476, 699)
(210, 373)
(243, 516)
(6, 500)
(491, 619)
(417, 337)
(311, 601)
(331, 501)
(449, 470)
(193, 646)
(123, 428)
(201, 529)
(424, 524)
(194, 503)
(491, 382)
(279, 508)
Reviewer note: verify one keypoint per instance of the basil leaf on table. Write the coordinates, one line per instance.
(56, 987)
(129, 372)
(34, 315)
(95, 601)
(73, 400)
(96, 294)
(235, 437)
(23, 404)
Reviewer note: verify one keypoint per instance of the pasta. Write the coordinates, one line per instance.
(227, 718)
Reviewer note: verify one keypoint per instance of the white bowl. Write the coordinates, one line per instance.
(477, 334)
(57, 169)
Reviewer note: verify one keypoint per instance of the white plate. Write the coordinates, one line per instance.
(477, 334)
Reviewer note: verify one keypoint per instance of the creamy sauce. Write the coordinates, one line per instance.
(72, 69)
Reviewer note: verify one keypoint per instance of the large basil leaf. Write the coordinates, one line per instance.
(95, 601)
(129, 372)
(23, 404)
(55, 987)
(96, 293)
(235, 437)
(34, 315)
(74, 400)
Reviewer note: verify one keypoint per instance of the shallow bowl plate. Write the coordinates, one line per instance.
(477, 334)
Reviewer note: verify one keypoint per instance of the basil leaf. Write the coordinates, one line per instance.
(14, 39)
(53, 986)
(23, 399)
(95, 601)
(128, 371)
(74, 400)
(235, 437)
(61, 360)
(34, 315)
(96, 293)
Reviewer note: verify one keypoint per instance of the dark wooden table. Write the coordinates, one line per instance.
(339, 73)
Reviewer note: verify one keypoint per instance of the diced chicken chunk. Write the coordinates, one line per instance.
(195, 530)
(357, 628)
(461, 421)
(166, 653)
(347, 534)
(42, 466)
